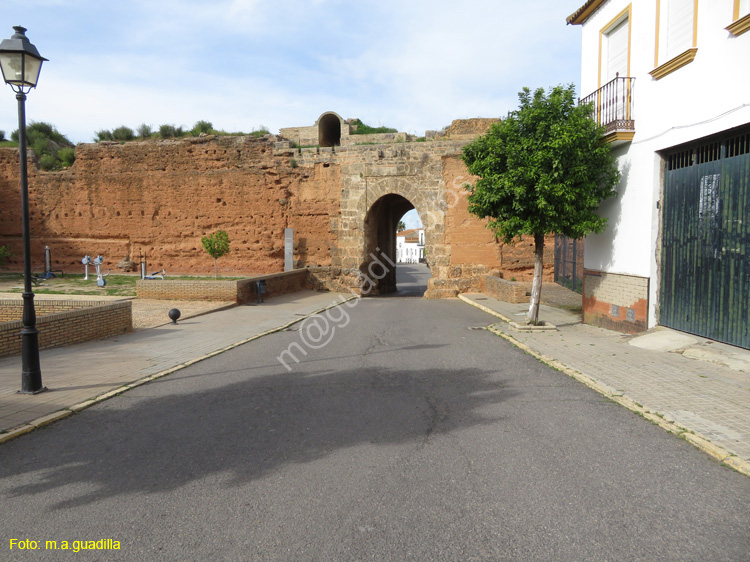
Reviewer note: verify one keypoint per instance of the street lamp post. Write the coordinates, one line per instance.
(20, 63)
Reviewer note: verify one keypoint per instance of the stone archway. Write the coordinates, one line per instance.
(379, 265)
(378, 187)
(329, 130)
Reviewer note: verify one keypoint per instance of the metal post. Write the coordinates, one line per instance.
(31, 372)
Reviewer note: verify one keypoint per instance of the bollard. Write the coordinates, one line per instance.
(260, 288)
(174, 315)
(47, 261)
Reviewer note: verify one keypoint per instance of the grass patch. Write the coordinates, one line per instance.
(74, 284)
(360, 128)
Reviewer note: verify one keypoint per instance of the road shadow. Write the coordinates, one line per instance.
(163, 438)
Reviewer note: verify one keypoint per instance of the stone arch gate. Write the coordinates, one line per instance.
(382, 176)
(374, 197)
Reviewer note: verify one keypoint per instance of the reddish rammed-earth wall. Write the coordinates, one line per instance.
(161, 197)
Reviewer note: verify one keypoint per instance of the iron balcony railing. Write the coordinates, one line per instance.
(613, 105)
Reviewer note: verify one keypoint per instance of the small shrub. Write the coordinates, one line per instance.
(202, 127)
(292, 163)
(2, 136)
(49, 163)
(67, 156)
(360, 128)
(123, 134)
(103, 135)
(216, 245)
(260, 132)
(170, 131)
(145, 131)
(38, 145)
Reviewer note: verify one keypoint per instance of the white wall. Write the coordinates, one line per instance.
(707, 96)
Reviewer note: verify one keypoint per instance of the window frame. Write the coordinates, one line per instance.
(740, 23)
(680, 60)
(626, 14)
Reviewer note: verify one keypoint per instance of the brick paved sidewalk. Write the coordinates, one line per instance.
(705, 402)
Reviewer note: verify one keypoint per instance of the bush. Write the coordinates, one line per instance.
(202, 127)
(261, 131)
(103, 135)
(46, 142)
(362, 129)
(49, 163)
(66, 156)
(2, 136)
(144, 131)
(170, 131)
(123, 133)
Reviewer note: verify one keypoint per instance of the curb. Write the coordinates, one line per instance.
(700, 442)
(65, 412)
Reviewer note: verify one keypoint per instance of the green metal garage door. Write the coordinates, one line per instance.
(705, 267)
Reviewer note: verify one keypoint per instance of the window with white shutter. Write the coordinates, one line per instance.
(616, 47)
(676, 35)
(679, 27)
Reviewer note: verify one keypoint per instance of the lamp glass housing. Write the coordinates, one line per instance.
(20, 69)
(20, 62)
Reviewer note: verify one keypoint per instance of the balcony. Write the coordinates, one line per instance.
(613, 109)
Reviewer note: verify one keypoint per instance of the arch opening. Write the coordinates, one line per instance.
(329, 130)
(381, 271)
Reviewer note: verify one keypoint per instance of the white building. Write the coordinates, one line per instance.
(671, 81)
(410, 246)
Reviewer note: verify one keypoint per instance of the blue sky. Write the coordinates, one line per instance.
(410, 64)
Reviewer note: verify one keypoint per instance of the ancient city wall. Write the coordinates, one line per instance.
(159, 197)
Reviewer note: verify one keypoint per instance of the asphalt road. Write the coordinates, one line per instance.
(403, 433)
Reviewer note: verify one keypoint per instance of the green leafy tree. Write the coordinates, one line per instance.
(401, 226)
(216, 245)
(544, 169)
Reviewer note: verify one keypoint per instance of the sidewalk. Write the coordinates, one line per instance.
(81, 375)
(690, 386)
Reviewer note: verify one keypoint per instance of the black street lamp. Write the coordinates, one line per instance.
(21, 63)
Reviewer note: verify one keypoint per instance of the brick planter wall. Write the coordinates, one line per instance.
(508, 291)
(91, 320)
(236, 290)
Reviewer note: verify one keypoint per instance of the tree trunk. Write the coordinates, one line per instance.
(536, 287)
(216, 270)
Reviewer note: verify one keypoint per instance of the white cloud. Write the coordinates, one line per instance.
(413, 65)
